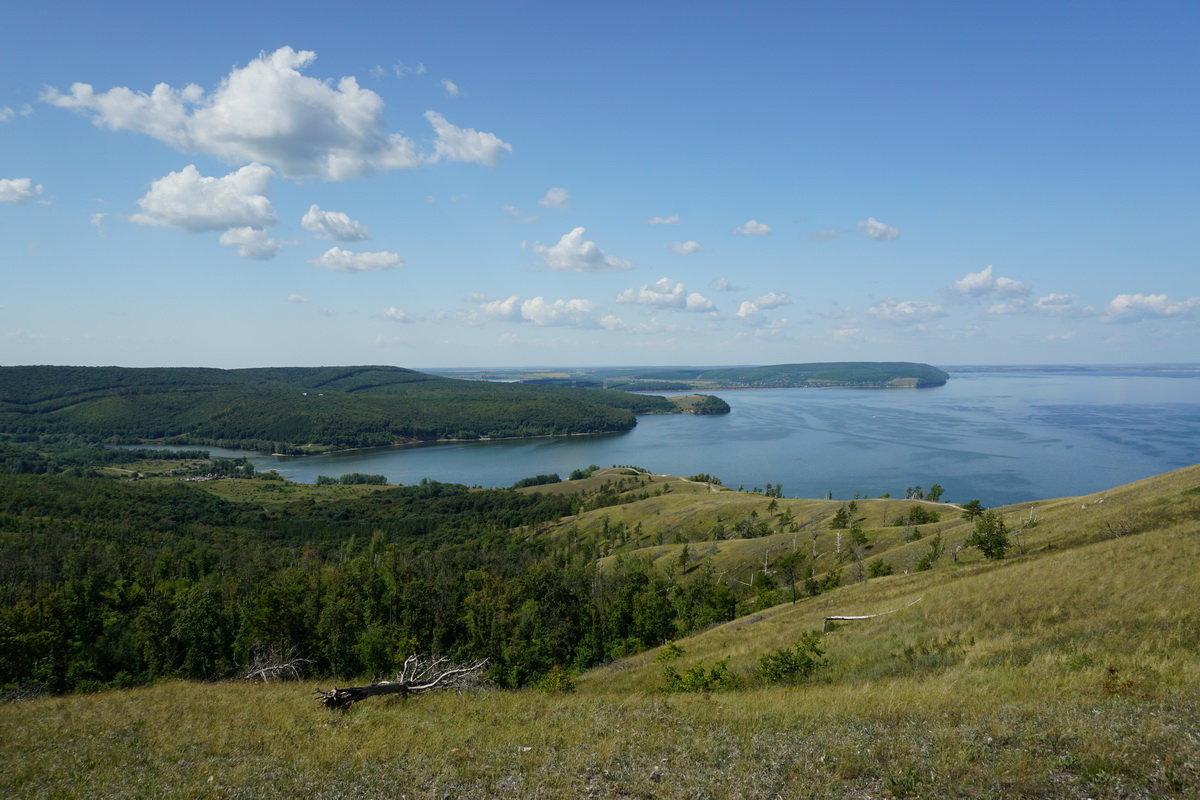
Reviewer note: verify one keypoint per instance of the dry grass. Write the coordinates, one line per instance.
(997, 684)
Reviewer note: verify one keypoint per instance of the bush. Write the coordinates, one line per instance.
(669, 653)
(879, 568)
(792, 664)
(699, 679)
(557, 681)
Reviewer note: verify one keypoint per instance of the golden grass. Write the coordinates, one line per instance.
(995, 685)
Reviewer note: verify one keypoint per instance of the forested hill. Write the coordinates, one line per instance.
(298, 409)
(851, 374)
(866, 374)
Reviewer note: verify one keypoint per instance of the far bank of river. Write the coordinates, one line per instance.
(998, 437)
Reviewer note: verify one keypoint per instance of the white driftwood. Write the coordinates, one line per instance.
(419, 674)
(825, 624)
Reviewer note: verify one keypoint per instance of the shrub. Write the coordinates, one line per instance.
(792, 664)
(557, 681)
(700, 679)
(879, 568)
(669, 653)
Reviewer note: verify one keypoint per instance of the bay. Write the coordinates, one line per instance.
(1000, 437)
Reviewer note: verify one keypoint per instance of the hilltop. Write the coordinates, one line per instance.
(833, 374)
(1068, 668)
(299, 409)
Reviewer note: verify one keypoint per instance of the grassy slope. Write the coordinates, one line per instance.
(994, 685)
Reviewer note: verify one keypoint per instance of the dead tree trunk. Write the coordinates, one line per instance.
(418, 675)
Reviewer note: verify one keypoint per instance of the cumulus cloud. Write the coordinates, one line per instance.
(539, 311)
(555, 197)
(772, 300)
(251, 243)
(193, 202)
(19, 191)
(333, 225)
(340, 260)
(906, 312)
(451, 88)
(1009, 307)
(576, 254)
(396, 315)
(1133, 307)
(686, 248)
(666, 293)
(877, 231)
(986, 284)
(747, 310)
(465, 144)
(753, 227)
(671, 220)
(267, 111)
(724, 285)
(1056, 304)
(297, 298)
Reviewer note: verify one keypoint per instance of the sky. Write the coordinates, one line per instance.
(599, 184)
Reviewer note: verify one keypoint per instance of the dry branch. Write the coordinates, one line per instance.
(419, 674)
(825, 625)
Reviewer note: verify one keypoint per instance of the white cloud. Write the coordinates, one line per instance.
(251, 243)
(509, 309)
(97, 219)
(7, 113)
(192, 202)
(1061, 337)
(686, 248)
(451, 88)
(577, 312)
(395, 314)
(1009, 307)
(296, 298)
(267, 111)
(666, 293)
(671, 220)
(985, 283)
(555, 197)
(1056, 304)
(1132, 307)
(753, 227)
(576, 254)
(465, 144)
(746, 310)
(724, 285)
(560, 312)
(333, 225)
(772, 300)
(877, 231)
(906, 312)
(19, 191)
(340, 260)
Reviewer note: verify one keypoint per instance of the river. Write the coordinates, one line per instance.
(1001, 437)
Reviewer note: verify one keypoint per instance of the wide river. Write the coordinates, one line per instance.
(998, 437)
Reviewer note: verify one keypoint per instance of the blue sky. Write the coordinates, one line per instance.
(481, 184)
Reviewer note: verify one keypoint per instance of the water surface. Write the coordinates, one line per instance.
(998, 437)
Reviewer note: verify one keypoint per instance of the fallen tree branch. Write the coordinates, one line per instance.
(418, 675)
(825, 624)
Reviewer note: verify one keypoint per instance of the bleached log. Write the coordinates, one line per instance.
(825, 624)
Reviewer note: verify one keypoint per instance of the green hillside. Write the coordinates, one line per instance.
(1067, 668)
(858, 374)
(298, 409)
